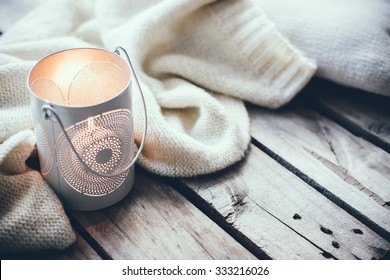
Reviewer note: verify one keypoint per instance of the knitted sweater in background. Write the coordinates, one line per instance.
(197, 60)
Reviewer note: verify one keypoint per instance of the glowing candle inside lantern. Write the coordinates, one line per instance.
(64, 76)
(91, 125)
(81, 100)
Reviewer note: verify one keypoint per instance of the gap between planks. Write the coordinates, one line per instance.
(265, 202)
(322, 190)
(280, 134)
(218, 218)
(227, 222)
(92, 242)
(156, 222)
(364, 114)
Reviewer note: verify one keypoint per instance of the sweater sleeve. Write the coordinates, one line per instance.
(231, 47)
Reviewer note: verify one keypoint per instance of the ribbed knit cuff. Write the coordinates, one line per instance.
(281, 67)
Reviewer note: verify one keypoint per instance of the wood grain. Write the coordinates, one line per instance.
(347, 166)
(156, 222)
(81, 250)
(284, 216)
(365, 114)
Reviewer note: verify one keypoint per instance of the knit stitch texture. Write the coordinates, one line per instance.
(32, 217)
(197, 62)
(349, 39)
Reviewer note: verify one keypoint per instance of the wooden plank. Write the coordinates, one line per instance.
(230, 193)
(80, 250)
(156, 222)
(365, 114)
(284, 216)
(346, 166)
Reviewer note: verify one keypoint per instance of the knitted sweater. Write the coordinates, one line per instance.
(197, 60)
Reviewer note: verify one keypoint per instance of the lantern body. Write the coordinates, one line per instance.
(90, 92)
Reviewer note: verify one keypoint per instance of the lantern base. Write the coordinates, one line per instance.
(75, 200)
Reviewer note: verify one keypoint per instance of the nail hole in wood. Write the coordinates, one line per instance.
(327, 255)
(335, 244)
(357, 231)
(326, 230)
(297, 217)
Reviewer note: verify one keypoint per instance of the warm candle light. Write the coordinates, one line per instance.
(91, 125)
(63, 77)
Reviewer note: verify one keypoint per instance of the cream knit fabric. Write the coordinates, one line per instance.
(349, 39)
(197, 60)
(31, 216)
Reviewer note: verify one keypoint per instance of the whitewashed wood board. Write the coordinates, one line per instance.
(351, 168)
(156, 222)
(365, 113)
(283, 215)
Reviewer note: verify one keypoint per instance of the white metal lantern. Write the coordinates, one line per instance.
(82, 106)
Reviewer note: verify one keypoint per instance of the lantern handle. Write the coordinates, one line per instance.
(117, 51)
(50, 113)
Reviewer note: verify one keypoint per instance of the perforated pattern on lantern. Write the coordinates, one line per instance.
(105, 144)
(47, 89)
(45, 155)
(98, 81)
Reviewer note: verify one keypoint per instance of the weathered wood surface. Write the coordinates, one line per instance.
(80, 250)
(284, 216)
(348, 169)
(156, 222)
(365, 114)
(309, 188)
